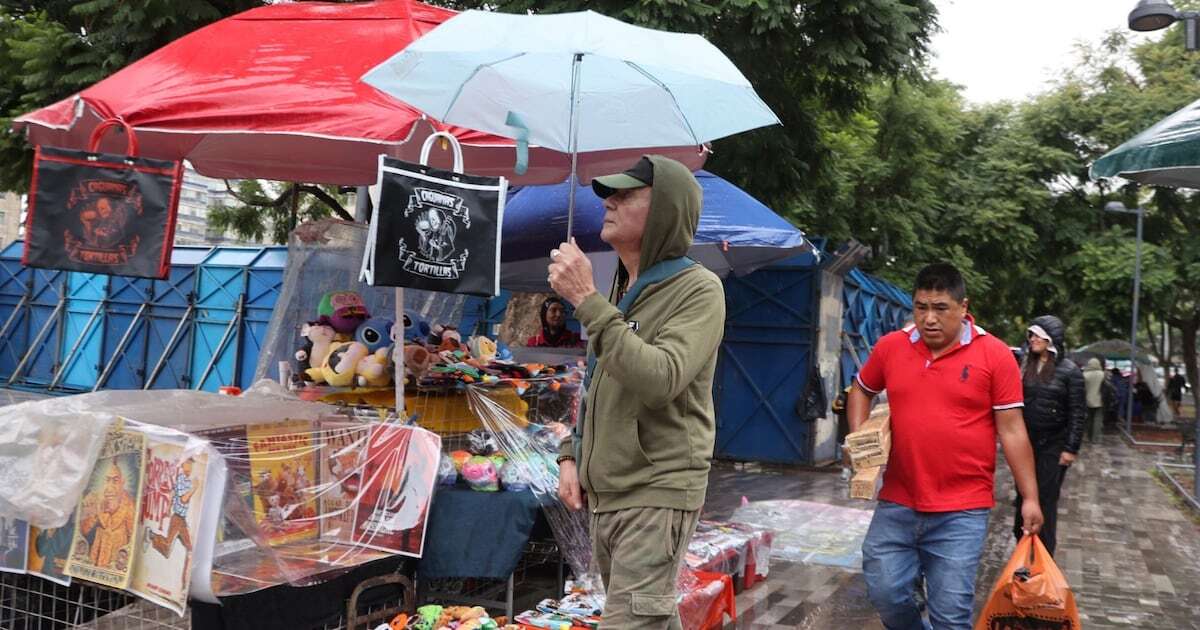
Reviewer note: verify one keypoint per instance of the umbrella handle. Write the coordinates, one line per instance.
(454, 145)
(131, 148)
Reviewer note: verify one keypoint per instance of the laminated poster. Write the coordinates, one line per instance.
(397, 487)
(172, 494)
(48, 552)
(103, 549)
(342, 459)
(283, 474)
(14, 544)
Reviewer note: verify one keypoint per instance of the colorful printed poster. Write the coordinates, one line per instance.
(48, 552)
(102, 550)
(283, 475)
(14, 545)
(230, 442)
(172, 494)
(397, 486)
(342, 454)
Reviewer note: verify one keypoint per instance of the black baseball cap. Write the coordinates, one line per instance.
(642, 174)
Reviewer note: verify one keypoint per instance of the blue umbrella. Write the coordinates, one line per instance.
(737, 233)
(573, 82)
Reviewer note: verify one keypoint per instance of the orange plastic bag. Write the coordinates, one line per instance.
(1030, 594)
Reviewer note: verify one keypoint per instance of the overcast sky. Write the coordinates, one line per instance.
(1009, 49)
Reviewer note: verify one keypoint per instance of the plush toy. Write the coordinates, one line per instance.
(480, 474)
(372, 370)
(341, 365)
(427, 616)
(415, 328)
(459, 458)
(499, 460)
(482, 348)
(447, 473)
(375, 333)
(417, 360)
(515, 475)
(345, 310)
(481, 442)
(318, 337)
(399, 622)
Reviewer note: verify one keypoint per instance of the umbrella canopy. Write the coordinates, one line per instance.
(273, 93)
(1166, 154)
(1116, 349)
(737, 233)
(579, 81)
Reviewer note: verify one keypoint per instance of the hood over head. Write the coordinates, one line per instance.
(1093, 364)
(674, 214)
(1056, 329)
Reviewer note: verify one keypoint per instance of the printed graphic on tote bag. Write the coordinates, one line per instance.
(435, 216)
(104, 212)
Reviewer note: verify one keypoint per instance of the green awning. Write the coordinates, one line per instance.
(1166, 154)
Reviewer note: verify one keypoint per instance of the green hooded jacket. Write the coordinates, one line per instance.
(647, 436)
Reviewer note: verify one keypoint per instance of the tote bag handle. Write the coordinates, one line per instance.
(131, 148)
(454, 146)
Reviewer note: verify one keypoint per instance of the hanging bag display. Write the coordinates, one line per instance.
(1030, 594)
(102, 213)
(435, 230)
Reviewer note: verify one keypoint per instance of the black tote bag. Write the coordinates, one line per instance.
(102, 213)
(435, 230)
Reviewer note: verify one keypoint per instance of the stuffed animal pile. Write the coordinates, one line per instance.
(345, 347)
(434, 617)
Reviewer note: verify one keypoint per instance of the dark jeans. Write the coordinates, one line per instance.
(1050, 477)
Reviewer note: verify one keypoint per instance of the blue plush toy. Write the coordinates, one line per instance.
(414, 326)
(375, 333)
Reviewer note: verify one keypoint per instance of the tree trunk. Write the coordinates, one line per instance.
(1187, 334)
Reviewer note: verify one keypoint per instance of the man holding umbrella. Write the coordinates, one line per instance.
(642, 449)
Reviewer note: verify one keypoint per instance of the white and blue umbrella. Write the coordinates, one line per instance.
(573, 82)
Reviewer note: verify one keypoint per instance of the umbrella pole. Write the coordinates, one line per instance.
(574, 181)
(398, 354)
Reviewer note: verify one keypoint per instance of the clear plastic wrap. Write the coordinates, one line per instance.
(307, 500)
(814, 533)
(731, 548)
(704, 599)
(532, 447)
(47, 451)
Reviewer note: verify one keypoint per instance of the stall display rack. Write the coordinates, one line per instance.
(499, 594)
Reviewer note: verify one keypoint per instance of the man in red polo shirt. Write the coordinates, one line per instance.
(952, 389)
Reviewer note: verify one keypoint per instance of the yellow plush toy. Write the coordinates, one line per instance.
(372, 369)
(340, 365)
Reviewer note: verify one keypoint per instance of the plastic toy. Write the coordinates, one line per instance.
(447, 473)
(345, 310)
(459, 458)
(399, 622)
(481, 442)
(515, 475)
(428, 615)
(375, 333)
(480, 474)
(499, 460)
(318, 337)
(341, 365)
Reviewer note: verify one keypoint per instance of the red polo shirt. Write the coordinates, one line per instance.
(943, 426)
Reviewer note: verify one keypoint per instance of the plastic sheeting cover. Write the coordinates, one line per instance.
(814, 533)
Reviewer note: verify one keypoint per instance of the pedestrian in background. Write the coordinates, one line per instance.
(1175, 388)
(1055, 410)
(1093, 380)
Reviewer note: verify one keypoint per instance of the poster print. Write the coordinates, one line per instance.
(397, 487)
(14, 545)
(102, 550)
(342, 455)
(172, 494)
(49, 550)
(283, 475)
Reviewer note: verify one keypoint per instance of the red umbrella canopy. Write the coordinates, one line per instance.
(273, 93)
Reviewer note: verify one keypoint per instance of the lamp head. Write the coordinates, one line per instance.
(1115, 206)
(1152, 15)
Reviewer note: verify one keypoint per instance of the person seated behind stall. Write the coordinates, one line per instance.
(555, 333)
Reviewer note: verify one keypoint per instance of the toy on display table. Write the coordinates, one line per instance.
(435, 617)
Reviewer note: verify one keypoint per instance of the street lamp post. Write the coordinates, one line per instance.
(1153, 15)
(1117, 206)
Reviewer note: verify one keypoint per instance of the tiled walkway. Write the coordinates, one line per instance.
(1131, 553)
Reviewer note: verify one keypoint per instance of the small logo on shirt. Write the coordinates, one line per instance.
(633, 325)
(966, 374)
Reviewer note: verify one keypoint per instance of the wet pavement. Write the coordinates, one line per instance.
(1128, 547)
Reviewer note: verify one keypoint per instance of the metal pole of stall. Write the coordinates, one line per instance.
(1137, 286)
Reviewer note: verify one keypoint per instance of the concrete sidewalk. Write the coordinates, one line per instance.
(1129, 549)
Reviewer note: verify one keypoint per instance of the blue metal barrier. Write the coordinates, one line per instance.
(200, 328)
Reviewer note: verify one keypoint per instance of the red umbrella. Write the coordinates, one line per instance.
(273, 93)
